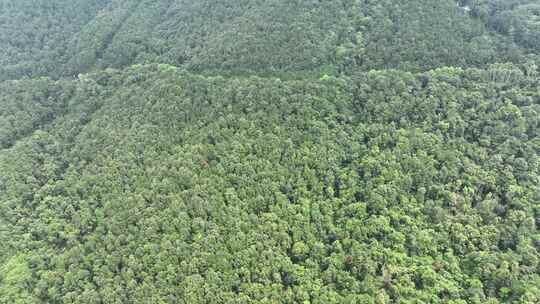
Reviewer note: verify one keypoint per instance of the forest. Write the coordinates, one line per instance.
(269, 151)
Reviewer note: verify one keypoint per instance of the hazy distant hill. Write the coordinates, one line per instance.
(62, 38)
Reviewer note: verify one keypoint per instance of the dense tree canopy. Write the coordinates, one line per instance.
(63, 38)
(312, 152)
(153, 185)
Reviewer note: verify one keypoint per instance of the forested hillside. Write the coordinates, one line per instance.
(63, 38)
(251, 151)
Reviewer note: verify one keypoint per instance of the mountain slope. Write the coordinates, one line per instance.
(33, 33)
(160, 186)
(269, 151)
(258, 37)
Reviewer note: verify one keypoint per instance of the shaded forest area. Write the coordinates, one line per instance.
(269, 38)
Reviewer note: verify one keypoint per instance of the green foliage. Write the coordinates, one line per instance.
(156, 185)
(34, 34)
(28, 105)
(312, 152)
(14, 278)
(267, 38)
(517, 19)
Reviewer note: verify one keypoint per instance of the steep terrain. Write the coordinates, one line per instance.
(285, 38)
